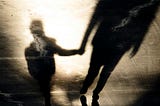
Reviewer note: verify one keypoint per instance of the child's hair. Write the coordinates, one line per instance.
(36, 26)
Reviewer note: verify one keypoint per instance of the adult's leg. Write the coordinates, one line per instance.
(93, 71)
(92, 74)
(106, 72)
(101, 82)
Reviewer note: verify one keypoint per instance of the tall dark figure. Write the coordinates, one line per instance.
(122, 26)
(40, 60)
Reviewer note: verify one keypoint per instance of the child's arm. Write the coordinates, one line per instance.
(65, 52)
(54, 48)
(61, 51)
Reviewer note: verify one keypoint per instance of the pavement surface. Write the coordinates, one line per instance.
(134, 82)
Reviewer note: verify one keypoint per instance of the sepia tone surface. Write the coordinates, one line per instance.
(133, 82)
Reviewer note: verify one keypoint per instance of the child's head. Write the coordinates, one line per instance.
(36, 27)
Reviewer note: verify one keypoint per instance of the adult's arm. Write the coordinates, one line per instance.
(93, 21)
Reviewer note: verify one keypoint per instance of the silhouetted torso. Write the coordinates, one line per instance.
(40, 67)
(110, 13)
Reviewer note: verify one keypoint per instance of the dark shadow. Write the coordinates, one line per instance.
(122, 25)
(151, 97)
(69, 85)
(40, 58)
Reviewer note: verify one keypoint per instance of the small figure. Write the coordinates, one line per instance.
(40, 58)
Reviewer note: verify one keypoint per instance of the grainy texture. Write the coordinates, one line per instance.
(134, 82)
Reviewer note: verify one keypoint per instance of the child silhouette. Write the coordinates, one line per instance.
(40, 58)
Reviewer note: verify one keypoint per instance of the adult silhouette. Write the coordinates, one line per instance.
(40, 58)
(122, 26)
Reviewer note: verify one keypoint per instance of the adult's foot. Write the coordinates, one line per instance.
(83, 100)
(95, 98)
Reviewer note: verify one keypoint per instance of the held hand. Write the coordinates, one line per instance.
(132, 54)
(81, 51)
(77, 52)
